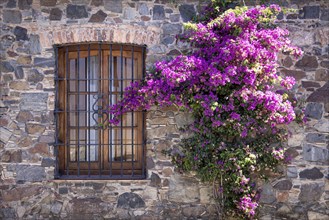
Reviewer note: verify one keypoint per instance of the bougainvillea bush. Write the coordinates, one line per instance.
(237, 98)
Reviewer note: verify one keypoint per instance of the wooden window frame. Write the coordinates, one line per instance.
(104, 167)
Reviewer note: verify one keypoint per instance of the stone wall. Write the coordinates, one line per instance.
(30, 28)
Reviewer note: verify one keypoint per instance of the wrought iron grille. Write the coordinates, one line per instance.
(88, 79)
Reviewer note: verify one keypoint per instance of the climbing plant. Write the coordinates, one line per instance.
(238, 100)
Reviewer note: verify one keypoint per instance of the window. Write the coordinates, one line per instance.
(89, 78)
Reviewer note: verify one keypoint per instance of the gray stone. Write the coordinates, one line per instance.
(168, 40)
(193, 211)
(314, 110)
(12, 16)
(34, 101)
(6, 41)
(130, 200)
(35, 47)
(24, 4)
(4, 135)
(47, 162)
(324, 64)
(172, 29)
(99, 16)
(187, 12)
(183, 119)
(155, 180)
(307, 62)
(56, 208)
(298, 75)
(113, 5)
(24, 116)
(292, 172)
(7, 213)
(6, 67)
(158, 12)
(44, 62)
(316, 138)
(76, 11)
(312, 174)
(174, 17)
(310, 12)
(30, 173)
(183, 189)
(49, 3)
(97, 3)
(129, 13)
(267, 194)
(283, 185)
(324, 14)
(315, 154)
(19, 72)
(11, 4)
(310, 84)
(63, 190)
(317, 216)
(55, 14)
(320, 95)
(322, 125)
(311, 192)
(143, 9)
(34, 76)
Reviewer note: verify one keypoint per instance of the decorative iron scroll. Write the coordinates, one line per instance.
(101, 122)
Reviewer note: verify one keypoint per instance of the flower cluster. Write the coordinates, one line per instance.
(229, 82)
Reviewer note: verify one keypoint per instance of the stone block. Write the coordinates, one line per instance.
(12, 16)
(315, 154)
(172, 29)
(267, 194)
(55, 14)
(307, 62)
(34, 76)
(320, 95)
(312, 174)
(314, 110)
(324, 14)
(298, 75)
(99, 16)
(143, 9)
(20, 33)
(283, 185)
(11, 4)
(19, 72)
(130, 200)
(97, 3)
(47, 162)
(311, 192)
(316, 138)
(4, 135)
(310, 84)
(322, 75)
(6, 67)
(19, 85)
(317, 216)
(76, 11)
(183, 189)
(155, 180)
(24, 4)
(193, 211)
(24, 116)
(310, 12)
(158, 12)
(30, 173)
(113, 5)
(48, 3)
(44, 62)
(322, 125)
(187, 12)
(34, 101)
(35, 128)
